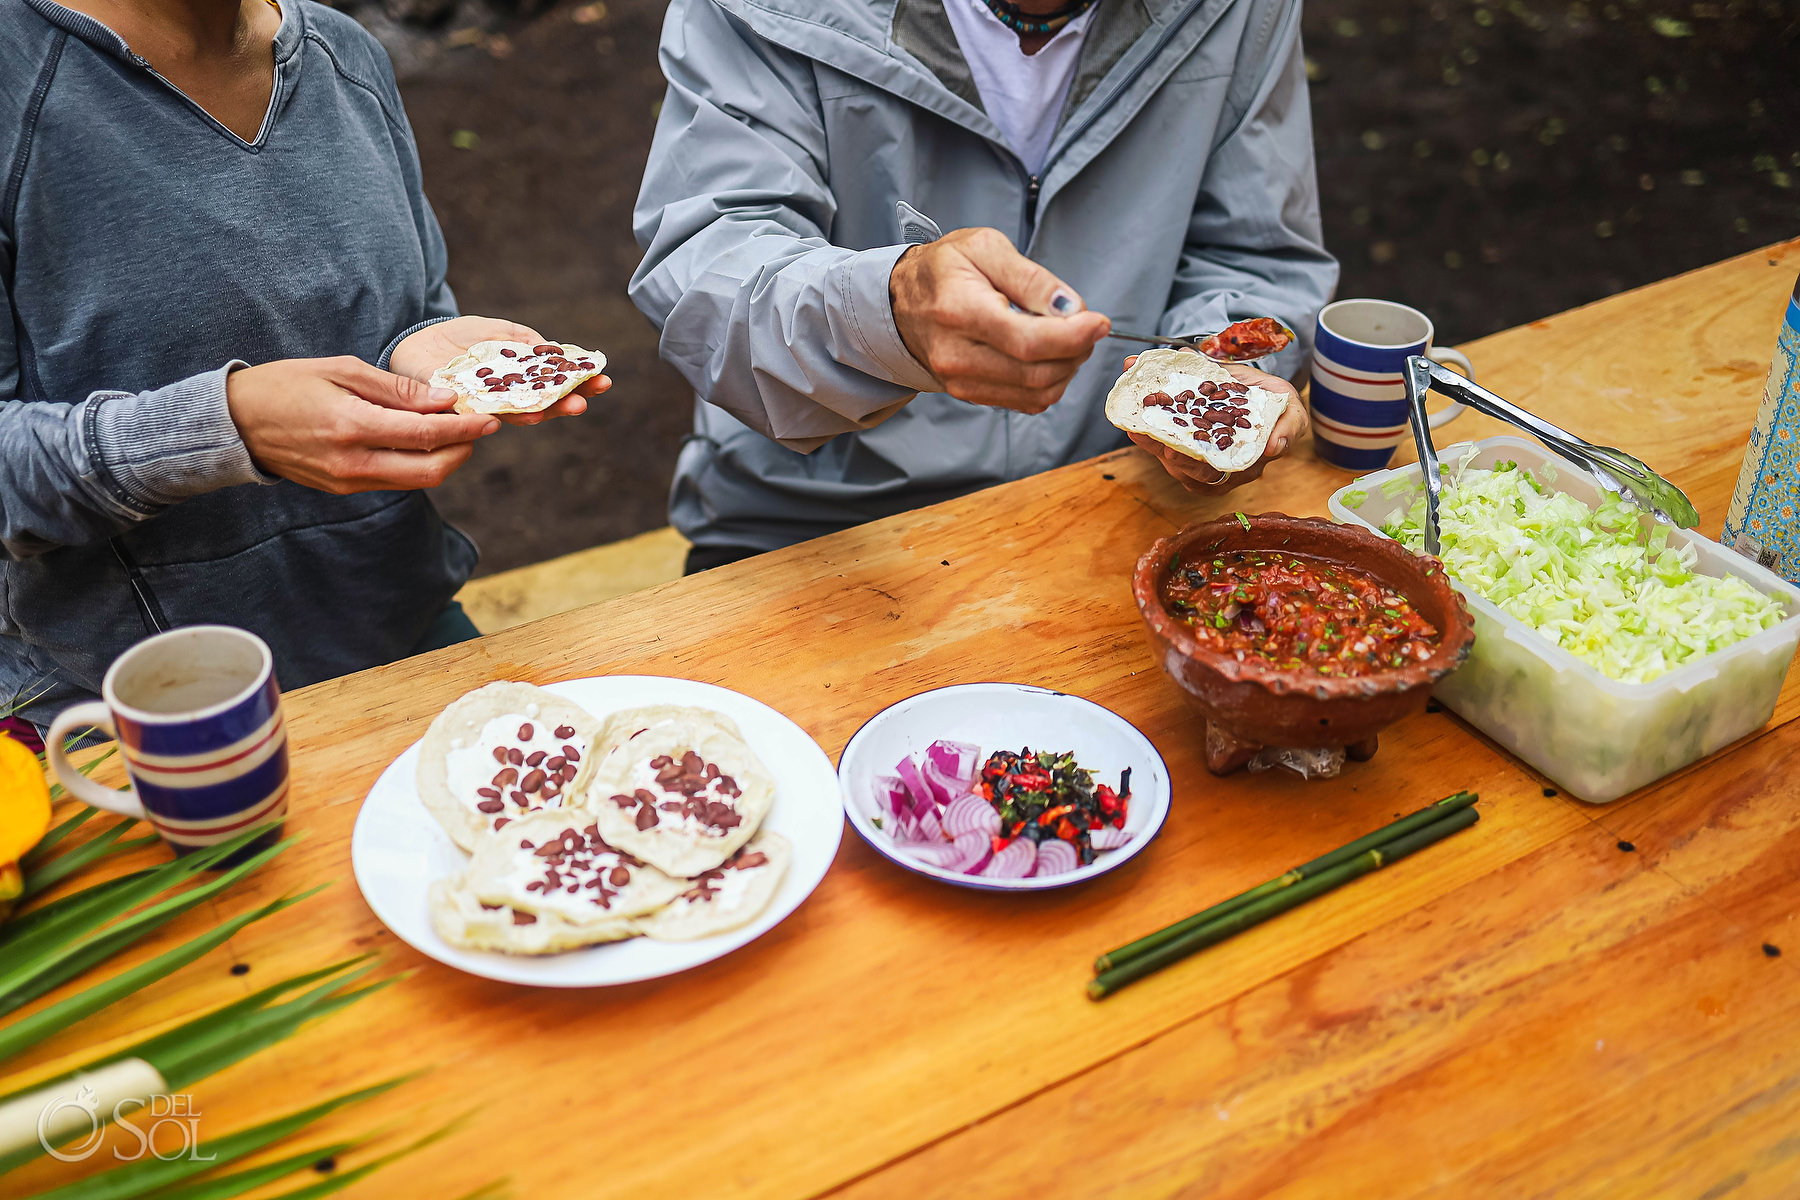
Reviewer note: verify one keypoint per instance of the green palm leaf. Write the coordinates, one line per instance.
(49, 841)
(215, 1040)
(62, 921)
(42, 876)
(236, 1184)
(36, 964)
(147, 1175)
(59, 1016)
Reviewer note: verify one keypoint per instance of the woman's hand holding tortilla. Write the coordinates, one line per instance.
(1200, 478)
(421, 353)
(953, 302)
(342, 426)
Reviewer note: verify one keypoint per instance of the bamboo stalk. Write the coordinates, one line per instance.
(1346, 852)
(1255, 913)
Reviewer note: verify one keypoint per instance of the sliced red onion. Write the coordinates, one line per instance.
(931, 828)
(973, 850)
(957, 761)
(970, 813)
(944, 788)
(1108, 838)
(906, 829)
(1055, 857)
(938, 854)
(892, 793)
(1013, 861)
(922, 800)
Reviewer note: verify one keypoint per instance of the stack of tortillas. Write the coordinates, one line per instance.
(585, 830)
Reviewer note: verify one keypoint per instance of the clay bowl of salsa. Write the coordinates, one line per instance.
(1295, 632)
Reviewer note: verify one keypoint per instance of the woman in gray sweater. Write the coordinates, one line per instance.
(190, 187)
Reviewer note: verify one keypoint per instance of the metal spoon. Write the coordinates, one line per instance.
(1611, 468)
(1193, 341)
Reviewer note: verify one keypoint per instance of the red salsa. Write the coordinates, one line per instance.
(1297, 612)
(1255, 338)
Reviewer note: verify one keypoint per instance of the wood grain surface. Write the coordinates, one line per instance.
(1568, 1000)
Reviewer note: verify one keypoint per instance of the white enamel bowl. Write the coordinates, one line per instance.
(1006, 716)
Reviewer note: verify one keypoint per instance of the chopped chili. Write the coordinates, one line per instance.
(1297, 612)
(1043, 795)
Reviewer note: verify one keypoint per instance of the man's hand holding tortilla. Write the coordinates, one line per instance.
(1199, 477)
(954, 304)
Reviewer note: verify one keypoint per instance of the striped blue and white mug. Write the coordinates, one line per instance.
(197, 715)
(1358, 391)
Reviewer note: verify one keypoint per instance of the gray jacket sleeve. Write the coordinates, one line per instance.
(440, 303)
(1254, 246)
(767, 319)
(74, 473)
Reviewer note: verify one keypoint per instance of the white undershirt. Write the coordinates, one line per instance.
(1023, 93)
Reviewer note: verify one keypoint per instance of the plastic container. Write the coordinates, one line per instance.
(1596, 737)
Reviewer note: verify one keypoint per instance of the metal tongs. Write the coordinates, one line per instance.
(1611, 468)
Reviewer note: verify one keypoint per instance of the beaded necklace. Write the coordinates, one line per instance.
(1018, 21)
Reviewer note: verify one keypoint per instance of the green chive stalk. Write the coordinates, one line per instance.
(1276, 903)
(1343, 854)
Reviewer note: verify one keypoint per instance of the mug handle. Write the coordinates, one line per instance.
(80, 716)
(1450, 358)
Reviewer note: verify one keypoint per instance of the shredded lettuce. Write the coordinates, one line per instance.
(1354, 500)
(1604, 584)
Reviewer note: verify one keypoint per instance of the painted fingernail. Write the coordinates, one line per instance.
(1062, 304)
(440, 395)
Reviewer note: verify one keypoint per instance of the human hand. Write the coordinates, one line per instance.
(1195, 474)
(342, 426)
(952, 302)
(421, 353)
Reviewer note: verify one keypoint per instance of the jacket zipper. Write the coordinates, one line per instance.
(1112, 95)
(1033, 185)
(150, 609)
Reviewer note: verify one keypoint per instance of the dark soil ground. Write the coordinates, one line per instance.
(1489, 161)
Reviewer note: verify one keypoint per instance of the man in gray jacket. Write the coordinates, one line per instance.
(851, 360)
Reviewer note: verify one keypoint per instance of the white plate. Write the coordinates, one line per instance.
(398, 850)
(1007, 716)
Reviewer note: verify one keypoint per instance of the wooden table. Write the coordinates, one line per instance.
(1568, 1000)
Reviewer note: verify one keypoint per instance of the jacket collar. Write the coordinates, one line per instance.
(921, 29)
(906, 48)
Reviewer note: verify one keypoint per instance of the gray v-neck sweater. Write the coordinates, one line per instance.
(144, 249)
